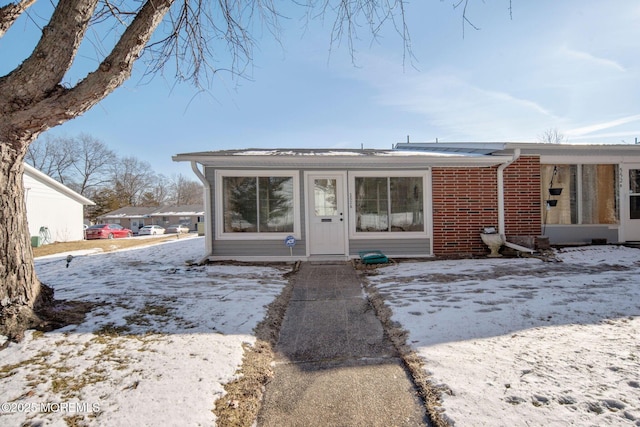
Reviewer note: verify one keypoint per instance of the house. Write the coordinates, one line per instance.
(131, 217)
(55, 213)
(416, 200)
(189, 215)
(135, 217)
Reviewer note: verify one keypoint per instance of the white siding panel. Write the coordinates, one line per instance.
(47, 207)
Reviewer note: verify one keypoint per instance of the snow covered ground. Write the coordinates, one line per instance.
(512, 342)
(158, 349)
(521, 342)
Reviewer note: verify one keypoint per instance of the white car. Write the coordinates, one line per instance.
(150, 230)
(177, 228)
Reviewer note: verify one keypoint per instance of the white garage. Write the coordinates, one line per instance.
(53, 207)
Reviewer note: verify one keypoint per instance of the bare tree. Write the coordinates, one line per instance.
(552, 136)
(35, 97)
(80, 163)
(91, 164)
(183, 191)
(131, 179)
(157, 194)
(53, 156)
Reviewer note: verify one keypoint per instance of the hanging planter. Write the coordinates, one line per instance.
(551, 203)
(555, 191)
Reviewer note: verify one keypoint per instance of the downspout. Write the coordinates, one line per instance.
(208, 214)
(501, 168)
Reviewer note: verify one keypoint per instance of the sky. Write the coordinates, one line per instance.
(571, 66)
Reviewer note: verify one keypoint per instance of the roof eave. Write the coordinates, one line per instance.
(395, 161)
(47, 180)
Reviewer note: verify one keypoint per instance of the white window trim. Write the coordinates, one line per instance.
(221, 235)
(426, 200)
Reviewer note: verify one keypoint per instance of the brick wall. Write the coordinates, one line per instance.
(466, 199)
(523, 215)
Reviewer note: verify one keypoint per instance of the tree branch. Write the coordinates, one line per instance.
(12, 11)
(61, 104)
(41, 73)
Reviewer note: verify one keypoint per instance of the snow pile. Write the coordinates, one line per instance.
(156, 350)
(524, 342)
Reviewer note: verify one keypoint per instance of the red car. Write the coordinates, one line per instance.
(107, 231)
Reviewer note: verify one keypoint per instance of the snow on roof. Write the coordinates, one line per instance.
(329, 152)
(144, 212)
(178, 213)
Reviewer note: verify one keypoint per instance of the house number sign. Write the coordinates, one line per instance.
(290, 242)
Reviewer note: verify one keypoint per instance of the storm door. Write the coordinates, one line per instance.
(631, 215)
(326, 214)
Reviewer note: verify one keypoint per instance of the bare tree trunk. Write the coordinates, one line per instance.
(21, 292)
(32, 100)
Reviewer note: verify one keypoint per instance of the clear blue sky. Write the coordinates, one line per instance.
(573, 65)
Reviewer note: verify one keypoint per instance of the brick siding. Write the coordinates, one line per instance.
(466, 199)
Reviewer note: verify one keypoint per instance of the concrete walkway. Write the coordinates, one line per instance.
(334, 367)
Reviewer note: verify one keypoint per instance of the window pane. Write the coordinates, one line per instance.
(239, 204)
(566, 209)
(325, 197)
(634, 198)
(276, 204)
(634, 181)
(406, 204)
(372, 204)
(599, 194)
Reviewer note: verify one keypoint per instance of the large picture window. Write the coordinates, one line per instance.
(389, 204)
(589, 194)
(258, 204)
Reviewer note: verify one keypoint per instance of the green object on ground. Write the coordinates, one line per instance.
(36, 241)
(373, 257)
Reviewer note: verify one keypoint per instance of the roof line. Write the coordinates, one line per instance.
(47, 180)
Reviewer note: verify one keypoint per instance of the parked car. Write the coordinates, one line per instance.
(177, 228)
(107, 231)
(151, 230)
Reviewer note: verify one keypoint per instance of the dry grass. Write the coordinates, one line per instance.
(106, 245)
(429, 393)
(241, 403)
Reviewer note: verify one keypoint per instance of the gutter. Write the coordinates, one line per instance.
(208, 214)
(501, 168)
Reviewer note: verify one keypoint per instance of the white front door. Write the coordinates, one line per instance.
(326, 213)
(630, 205)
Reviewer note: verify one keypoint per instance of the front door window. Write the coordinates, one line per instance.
(326, 198)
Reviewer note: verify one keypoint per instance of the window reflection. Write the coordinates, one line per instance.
(386, 204)
(257, 204)
(325, 196)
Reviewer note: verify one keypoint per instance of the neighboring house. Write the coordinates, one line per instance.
(135, 217)
(189, 215)
(53, 206)
(417, 200)
(131, 217)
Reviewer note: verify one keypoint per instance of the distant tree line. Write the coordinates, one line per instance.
(89, 167)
